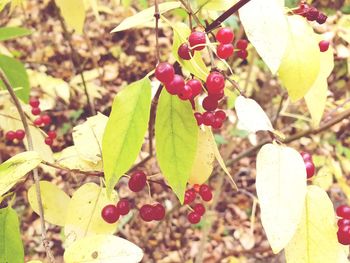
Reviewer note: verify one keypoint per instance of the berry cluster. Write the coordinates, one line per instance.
(310, 13)
(111, 213)
(242, 45)
(196, 42)
(225, 37)
(15, 135)
(343, 233)
(152, 212)
(198, 210)
(309, 164)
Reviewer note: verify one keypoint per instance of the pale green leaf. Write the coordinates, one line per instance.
(216, 5)
(7, 33)
(125, 130)
(11, 247)
(55, 202)
(15, 168)
(73, 13)
(301, 62)
(176, 133)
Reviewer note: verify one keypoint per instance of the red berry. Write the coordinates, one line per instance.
(312, 14)
(208, 118)
(137, 181)
(193, 218)
(220, 114)
(174, 86)
(310, 169)
(209, 104)
(197, 38)
(52, 134)
(205, 192)
(36, 111)
(146, 213)
(217, 123)
(306, 156)
(110, 214)
(321, 19)
(185, 52)
(46, 119)
(217, 96)
(164, 72)
(225, 35)
(199, 209)
(215, 82)
(20, 134)
(123, 207)
(224, 51)
(190, 195)
(34, 102)
(10, 135)
(343, 222)
(343, 211)
(324, 45)
(38, 121)
(196, 87)
(158, 212)
(199, 118)
(242, 44)
(243, 54)
(48, 141)
(196, 188)
(343, 235)
(185, 93)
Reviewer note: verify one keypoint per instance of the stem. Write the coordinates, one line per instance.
(35, 171)
(190, 12)
(91, 105)
(152, 119)
(157, 16)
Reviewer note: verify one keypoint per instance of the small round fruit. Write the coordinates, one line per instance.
(343, 235)
(343, 222)
(217, 96)
(196, 87)
(190, 195)
(310, 169)
(46, 119)
(215, 82)
(217, 123)
(185, 93)
(306, 156)
(38, 121)
(199, 118)
(20, 134)
(34, 102)
(137, 181)
(52, 134)
(199, 209)
(224, 51)
(242, 44)
(146, 213)
(208, 118)
(343, 211)
(196, 188)
(312, 14)
(110, 214)
(197, 40)
(321, 19)
(323, 45)
(194, 218)
(10, 135)
(123, 207)
(242, 54)
(158, 212)
(220, 114)
(209, 104)
(48, 141)
(185, 52)
(164, 72)
(36, 111)
(174, 86)
(225, 35)
(205, 192)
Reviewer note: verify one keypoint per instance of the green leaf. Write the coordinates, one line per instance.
(176, 133)
(125, 130)
(17, 75)
(145, 16)
(73, 13)
(301, 63)
(11, 247)
(217, 5)
(195, 65)
(7, 33)
(16, 168)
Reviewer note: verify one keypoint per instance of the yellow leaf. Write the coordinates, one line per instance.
(55, 202)
(316, 240)
(103, 248)
(15, 168)
(73, 13)
(84, 213)
(281, 189)
(324, 178)
(301, 63)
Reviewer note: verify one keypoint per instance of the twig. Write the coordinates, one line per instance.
(190, 12)
(35, 171)
(157, 16)
(152, 119)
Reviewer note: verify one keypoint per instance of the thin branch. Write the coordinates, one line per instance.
(152, 119)
(157, 16)
(35, 171)
(190, 12)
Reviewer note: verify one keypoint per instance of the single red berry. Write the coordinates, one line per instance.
(208, 118)
(110, 214)
(190, 195)
(242, 44)
(123, 207)
(321, 18)
(343, 235)
(137, 181)
(312, 14)
(36, 111)
(220, 114)
(46, 119)
(242, 54)
(224, 51)
(194, 218)
(205, 192)
(164, 72)
(215, 82)
(225, 35)
(10, 135)
(343, 222)
(197, 40)
(38, 121)
(158, 212)
(199, 118)
(185, 93)
(174, 86)
(52, 134)
(20, 134)
(306, 156)
(196, 87)
(48, 141)
(324, 45)
(209, 104)
(196, 188)
(343, 211)
(185, 52)
(310, 169)
(146, 213)
(199, 209)
(34, 102)
(217, 123)
(217, 96)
